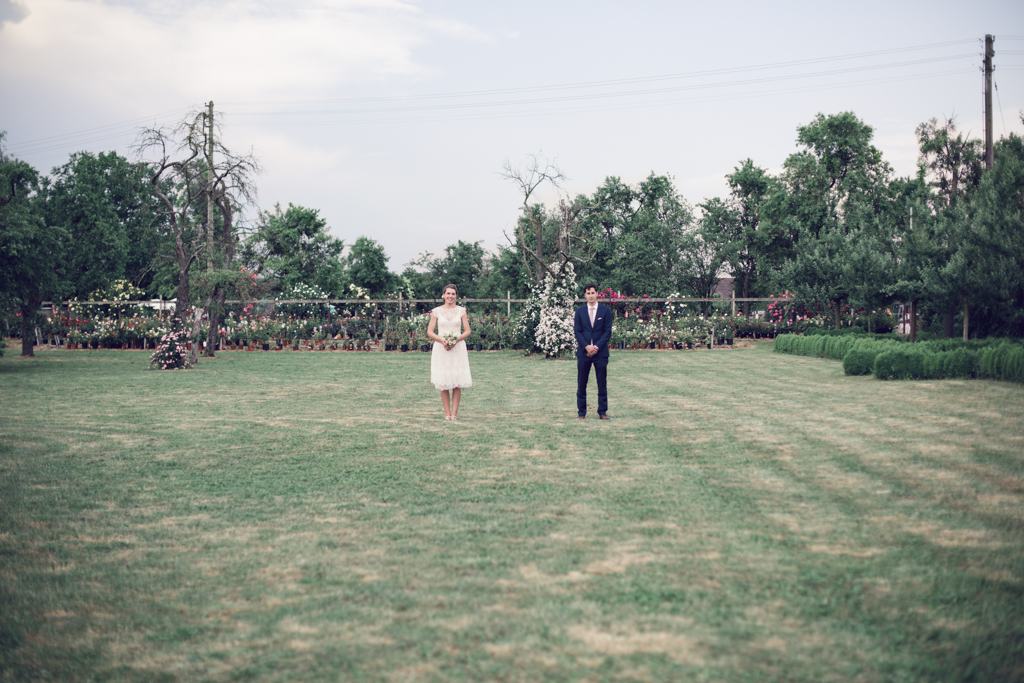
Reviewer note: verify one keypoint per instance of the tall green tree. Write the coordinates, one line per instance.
(109, 214)
(367, 267)
(294, 246)
(634, 235)
(951, 160)
(31, 269)
(463, 264)
(986, 238)
(831, 185)
(913, 244)
(650, 244)
(1000, 230)
(758, 244)
(504, 274)
(704, 252)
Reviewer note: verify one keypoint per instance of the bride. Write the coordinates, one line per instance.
(449, 359)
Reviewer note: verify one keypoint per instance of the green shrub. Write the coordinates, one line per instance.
(933, 366)
(960, 363)
(891, 356)
(886, 365)
(859, 362)
(900, 363)
(1002, 361)
(801, 345)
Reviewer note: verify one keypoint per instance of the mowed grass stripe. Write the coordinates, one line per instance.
(744, 516)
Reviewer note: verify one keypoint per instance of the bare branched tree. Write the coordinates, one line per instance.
(180, 178)
(528, 177)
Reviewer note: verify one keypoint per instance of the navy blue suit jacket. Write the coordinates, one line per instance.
(598, 335)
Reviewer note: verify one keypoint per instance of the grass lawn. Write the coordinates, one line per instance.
(745, 516)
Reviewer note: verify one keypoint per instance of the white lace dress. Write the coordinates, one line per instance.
(449, 369)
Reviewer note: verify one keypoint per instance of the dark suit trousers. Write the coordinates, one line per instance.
(583, 364)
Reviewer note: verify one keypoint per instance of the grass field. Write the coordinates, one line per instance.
(745, 516)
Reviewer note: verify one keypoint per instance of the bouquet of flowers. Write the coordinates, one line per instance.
(450, 340)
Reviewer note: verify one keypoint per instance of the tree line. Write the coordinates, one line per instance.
(836, 228)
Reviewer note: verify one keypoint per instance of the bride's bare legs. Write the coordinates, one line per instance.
(444, 402)
(456, 395)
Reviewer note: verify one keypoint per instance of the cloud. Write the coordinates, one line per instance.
(181, 52)
(11, 12)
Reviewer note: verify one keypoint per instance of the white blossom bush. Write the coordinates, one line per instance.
(525, 331)
(304, 292)
(554, 335)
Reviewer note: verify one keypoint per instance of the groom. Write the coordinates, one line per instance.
(593, 327)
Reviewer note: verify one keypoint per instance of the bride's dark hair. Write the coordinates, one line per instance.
(447, 287)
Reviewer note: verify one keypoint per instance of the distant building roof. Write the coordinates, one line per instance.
(725, 287)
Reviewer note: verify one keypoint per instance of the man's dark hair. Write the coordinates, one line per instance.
(590, 285)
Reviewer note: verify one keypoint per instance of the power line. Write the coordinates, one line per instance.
(606, 95)
(117, 130)
(1000, 101)
(122, 124)
(88, 135)
(609, 107)
(621, 81)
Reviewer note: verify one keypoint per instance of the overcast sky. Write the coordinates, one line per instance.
(393, 117)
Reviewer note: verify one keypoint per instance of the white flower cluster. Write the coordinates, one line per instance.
(303, 292)
(554, 333)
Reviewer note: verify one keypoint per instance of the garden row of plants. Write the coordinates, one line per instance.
(638, 324)
(888, 356)
(141, 329)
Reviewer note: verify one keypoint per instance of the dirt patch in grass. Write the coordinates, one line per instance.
(849, 551)
(619, 562)
(283, 578)
(681, 648)
(291, 625)
(413, 672)
(535, 577)
(941, 535)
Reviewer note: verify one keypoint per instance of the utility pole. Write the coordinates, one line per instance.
(989, 53)
(209, 188)
(913, 302)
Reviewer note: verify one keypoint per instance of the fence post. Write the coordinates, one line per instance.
(508, 303)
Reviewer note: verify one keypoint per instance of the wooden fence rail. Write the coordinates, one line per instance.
(645, 300)
(163, 304)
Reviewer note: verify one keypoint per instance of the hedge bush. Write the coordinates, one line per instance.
(892, 357)
(901, 363)
(1002, 361)
(859, 361)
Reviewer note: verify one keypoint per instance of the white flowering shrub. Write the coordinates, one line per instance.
(304, 292)
(554, 335)
(525, 331)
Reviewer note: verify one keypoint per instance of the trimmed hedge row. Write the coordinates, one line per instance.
(891, 357)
